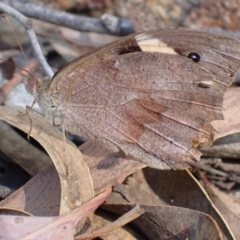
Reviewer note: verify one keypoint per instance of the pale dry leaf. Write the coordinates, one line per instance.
(73, 172)
(228, 205)
(231, 113)
(40, 196)
(60, 227)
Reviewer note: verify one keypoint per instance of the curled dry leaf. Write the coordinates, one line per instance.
(168, 222)
(74, 176)
(173, 189)
(106, 170)
(9, 211)
(60, 227)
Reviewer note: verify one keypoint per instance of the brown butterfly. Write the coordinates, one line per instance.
(151, 95)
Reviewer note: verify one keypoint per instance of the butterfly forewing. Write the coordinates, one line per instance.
(150, 95)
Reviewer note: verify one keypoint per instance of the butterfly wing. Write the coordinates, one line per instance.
(153, 102)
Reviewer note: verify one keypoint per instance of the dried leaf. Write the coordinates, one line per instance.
(21, 151)
(168, 222)
(228, 205)
(60, 227)
(74, 176)
(174, 188)
(231, 113)
(40, 196)
(107, 168)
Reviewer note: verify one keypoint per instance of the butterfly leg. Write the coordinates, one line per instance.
(64, 148)
(28, 109)
(64, 143)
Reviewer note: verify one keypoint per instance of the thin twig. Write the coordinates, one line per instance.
(232, 177)
(80, 23)
(117, 25)
(209, 169)
(121, 221)
(27, 24)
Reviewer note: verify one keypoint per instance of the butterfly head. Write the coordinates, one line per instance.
(34, 85)
(30, 83)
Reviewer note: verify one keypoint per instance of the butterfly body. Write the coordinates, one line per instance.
(150, 95)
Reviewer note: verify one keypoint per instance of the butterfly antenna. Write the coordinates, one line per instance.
(19, 44)
(15, 65)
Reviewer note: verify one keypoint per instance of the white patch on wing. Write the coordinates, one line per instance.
(149, 44)
(207, 82)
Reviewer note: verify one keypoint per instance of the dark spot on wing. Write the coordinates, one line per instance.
(129, 49)
(204, 85)
(108, 163)
(194, 56)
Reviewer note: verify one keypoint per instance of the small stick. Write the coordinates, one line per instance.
(80, 23)
(121, 221)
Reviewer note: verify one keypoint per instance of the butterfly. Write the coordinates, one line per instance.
(150, 95)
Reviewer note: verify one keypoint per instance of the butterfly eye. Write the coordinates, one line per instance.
(31, 85)
(194, 56)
